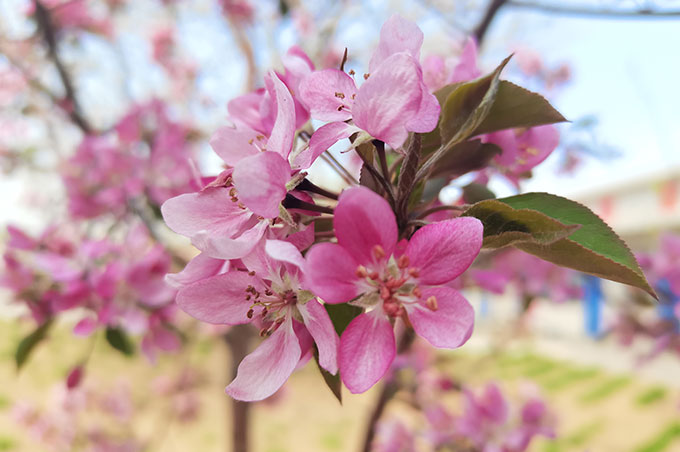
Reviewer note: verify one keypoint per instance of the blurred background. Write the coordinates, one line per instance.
(106, 110)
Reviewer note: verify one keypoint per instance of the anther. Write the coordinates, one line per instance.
(251, 273)
(378, 252)
(366, 76)
(374, 275)
(431, 303)
(351, 72)
(340, 95)
(414, 272)
(403, 261)
(385, 293)
(361, 271)
(417, 292)
(250, 313)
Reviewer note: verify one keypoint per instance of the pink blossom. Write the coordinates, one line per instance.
(270, 295)
(392, 102)
(367, 268)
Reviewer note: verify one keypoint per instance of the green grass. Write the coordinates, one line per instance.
(569, 378)
(664, 439)
(605, 390)
(651, 395)
(577, 439)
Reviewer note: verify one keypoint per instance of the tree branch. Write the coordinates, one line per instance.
(642, 13)
(48, 31)
(483, 27)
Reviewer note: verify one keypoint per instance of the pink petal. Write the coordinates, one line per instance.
(321, 328)
(220, 299)
(245, 110)
(200, 267)
(193, 213)
(283, 132)
(466, 69)
(330, 273)
(85, 327)
(265, 370)
(328, 94)
(444, 250)
(323, 138)
(427, 117)
(234, 247)
(306, 342)
(450, 326)
(389, 99)
(284, 252)
(367, 348)
(261, 182)
(397, 35)
(233, 144)
(362, 221)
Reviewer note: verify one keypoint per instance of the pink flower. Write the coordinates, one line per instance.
(392, 102)
(270, 295)
(523, 149)
(367, 268)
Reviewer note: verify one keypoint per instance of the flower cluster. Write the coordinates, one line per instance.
(111, 284)
(147, 155)
(254, 221)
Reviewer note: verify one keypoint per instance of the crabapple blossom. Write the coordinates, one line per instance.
(267, 293)
(368, 268)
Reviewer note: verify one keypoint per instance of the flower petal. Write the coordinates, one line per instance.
(265, 370)
(261, 182)
(330, 273)
(220, 299)
(285, 252)
(193, 213)
(444, 250)
(323, 138)
(363, 220)
(427, 117)
(450, 326)
(233, 144)
(367, 348)
(321, 328)
(397, 35)
(200, 267)
(389, 99)
(281, 138)
(230, 247)
(329, 94)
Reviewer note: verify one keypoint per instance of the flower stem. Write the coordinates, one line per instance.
(309, 186)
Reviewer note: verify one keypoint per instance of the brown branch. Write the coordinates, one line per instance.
(643, 13)
(480, 31)
(48, 30)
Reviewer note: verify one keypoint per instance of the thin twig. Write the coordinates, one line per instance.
(309, 186)
(351, 180)
(440, 208)
(48, 30)
(642, 13)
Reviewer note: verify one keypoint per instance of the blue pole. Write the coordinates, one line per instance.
(592, 305)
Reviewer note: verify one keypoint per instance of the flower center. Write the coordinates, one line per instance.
(275, 306)
(395, 283)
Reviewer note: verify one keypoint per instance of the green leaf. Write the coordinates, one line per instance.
(332, 381)
(466, 106)
(27, 344)
(118, 339)
(341, 315)
(504, 225)
(593, 248)
(465, 157)
(474, 192)
(515, 107)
